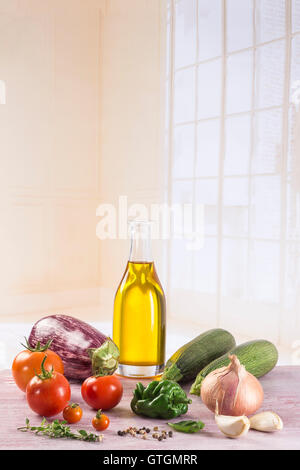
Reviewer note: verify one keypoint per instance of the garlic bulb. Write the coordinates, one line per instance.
(266, 422)
(233, 426)
(235, 391)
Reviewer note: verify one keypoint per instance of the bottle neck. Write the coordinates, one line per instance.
(140, 247)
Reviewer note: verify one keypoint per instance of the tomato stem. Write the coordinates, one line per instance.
(39, 347)
(99, 414)
(46, 374)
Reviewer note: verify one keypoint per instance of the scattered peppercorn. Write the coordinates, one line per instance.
(158, 434)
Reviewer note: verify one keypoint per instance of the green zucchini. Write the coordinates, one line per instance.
(258, 357)
(185, 363)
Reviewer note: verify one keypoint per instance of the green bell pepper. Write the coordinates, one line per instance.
(164, 399)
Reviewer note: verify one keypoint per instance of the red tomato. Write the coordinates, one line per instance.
(28, 363)
(72, 413)
(48, 393)
(102, 392)
(100, 421)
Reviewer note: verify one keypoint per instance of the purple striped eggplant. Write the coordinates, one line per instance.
(84, 350)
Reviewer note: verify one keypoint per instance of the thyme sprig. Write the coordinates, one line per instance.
(59, 429)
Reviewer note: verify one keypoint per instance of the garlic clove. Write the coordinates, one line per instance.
(267, 421)
(233, 426)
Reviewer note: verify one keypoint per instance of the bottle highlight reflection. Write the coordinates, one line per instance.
(140, 310)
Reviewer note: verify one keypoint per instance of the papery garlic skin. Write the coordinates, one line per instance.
(267, 421)
(237, 392)
(233, 426)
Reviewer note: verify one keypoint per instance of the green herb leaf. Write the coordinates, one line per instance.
(188, 426)
(58, 429)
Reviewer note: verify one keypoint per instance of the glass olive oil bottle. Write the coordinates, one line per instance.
(139, 325)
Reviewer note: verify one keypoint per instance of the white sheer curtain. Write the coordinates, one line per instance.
(233, 141)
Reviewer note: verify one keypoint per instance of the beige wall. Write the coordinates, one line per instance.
(81, 126)
(49, 153)
(131, 125)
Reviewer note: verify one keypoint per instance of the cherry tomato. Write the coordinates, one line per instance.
(28, 363)
(102, 392)
(100, 421)
(72, 413)
(48, 393)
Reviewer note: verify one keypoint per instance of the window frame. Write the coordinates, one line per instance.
(280, 334)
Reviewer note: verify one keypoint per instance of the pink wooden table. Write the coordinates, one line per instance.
(282, 395)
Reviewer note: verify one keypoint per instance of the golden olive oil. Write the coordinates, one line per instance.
(139, 325)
